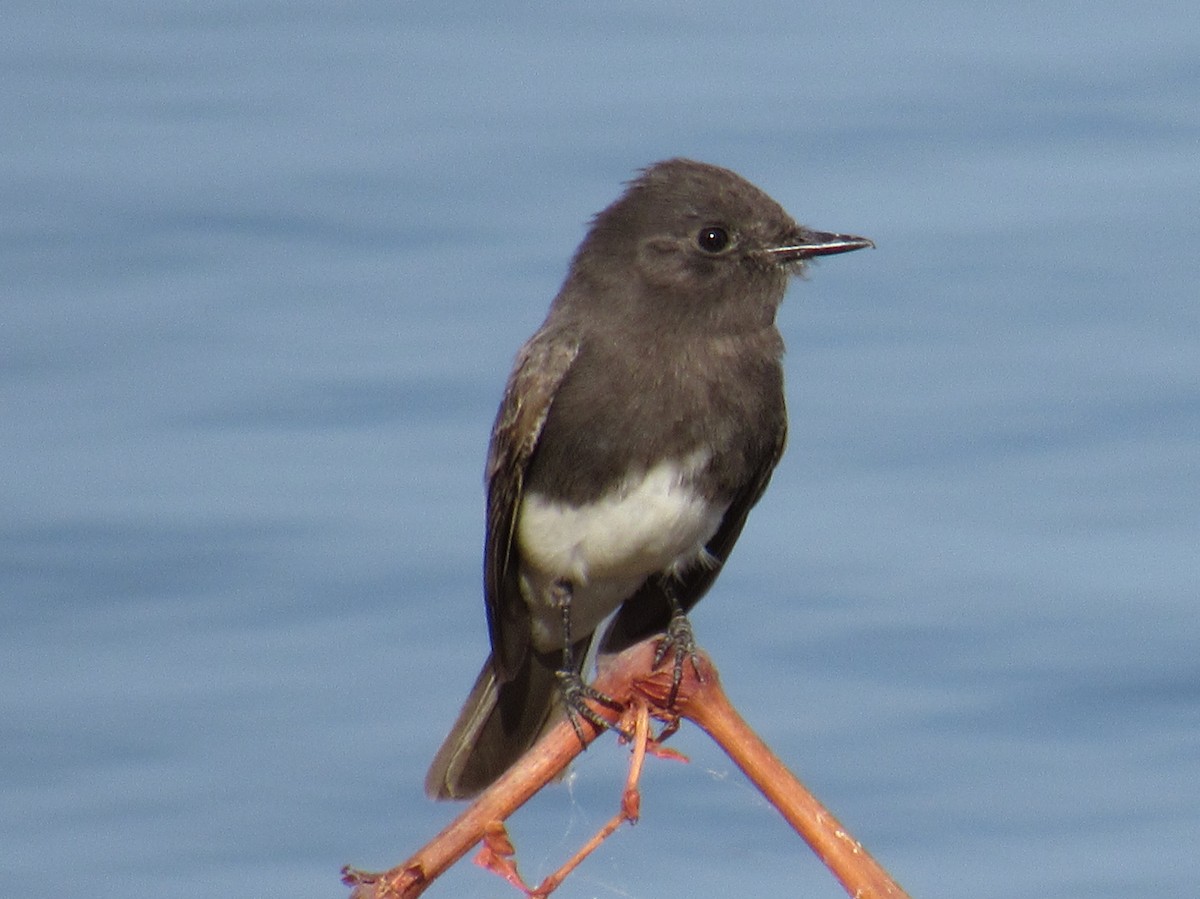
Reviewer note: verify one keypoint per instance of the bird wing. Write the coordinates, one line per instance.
(540, 367)
(648, 611)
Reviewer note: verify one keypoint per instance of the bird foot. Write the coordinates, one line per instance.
(575, 695)
(680, 641)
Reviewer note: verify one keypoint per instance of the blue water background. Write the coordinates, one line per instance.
(263, 268)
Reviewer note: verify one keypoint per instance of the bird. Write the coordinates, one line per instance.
(640, 424)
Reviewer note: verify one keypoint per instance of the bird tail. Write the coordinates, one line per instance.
(497, 724)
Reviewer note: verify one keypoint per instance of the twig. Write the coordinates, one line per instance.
(631, 679)
(706, 704)
(631, 803)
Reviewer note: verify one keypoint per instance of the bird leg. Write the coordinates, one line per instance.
(575, 692)
(678, 637)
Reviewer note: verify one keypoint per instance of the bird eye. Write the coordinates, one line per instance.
(712, 239)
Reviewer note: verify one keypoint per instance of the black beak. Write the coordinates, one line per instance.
(818, 243)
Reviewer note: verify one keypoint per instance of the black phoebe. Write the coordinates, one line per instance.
(638, 427)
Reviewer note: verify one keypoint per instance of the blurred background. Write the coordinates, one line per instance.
(263, 270)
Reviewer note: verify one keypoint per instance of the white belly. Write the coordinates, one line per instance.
(654, 524)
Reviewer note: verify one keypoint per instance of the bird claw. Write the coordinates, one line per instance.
(679, 637)
(575, 694)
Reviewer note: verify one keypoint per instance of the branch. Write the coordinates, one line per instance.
(631, 679)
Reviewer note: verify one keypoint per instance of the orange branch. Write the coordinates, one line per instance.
(631, 679)
(707, 705)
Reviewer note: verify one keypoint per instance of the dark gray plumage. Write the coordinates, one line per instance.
(639, 426)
